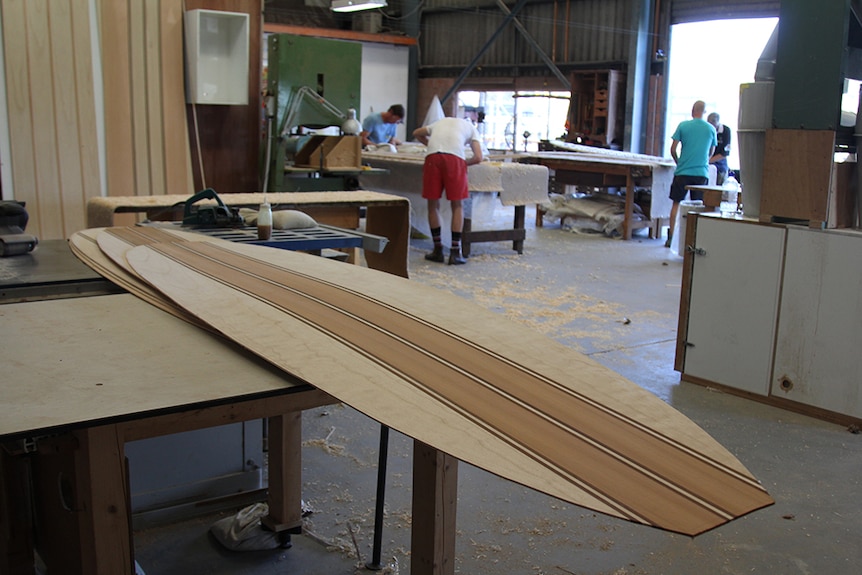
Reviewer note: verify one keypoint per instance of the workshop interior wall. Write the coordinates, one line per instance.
(73, 69)
(384, 81)
(147, 151)
(52, 162)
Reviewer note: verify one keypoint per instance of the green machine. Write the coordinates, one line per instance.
(312, 83)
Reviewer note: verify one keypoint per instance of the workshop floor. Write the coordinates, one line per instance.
(618, 303)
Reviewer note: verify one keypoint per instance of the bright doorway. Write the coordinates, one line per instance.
(709, 60)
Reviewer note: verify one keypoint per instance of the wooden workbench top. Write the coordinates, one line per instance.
(78, 361)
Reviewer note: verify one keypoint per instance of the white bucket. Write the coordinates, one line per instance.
(685, 207)
(755, 117)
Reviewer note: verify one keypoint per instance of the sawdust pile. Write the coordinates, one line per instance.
(565, 313)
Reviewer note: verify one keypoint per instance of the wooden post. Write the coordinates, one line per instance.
(285, 473)
(435, 499)
(16, 520)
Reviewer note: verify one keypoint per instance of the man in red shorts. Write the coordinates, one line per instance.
(446, 168)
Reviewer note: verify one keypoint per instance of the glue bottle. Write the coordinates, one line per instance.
(264, 222)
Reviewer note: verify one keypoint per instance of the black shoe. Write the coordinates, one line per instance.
(456, 259)
(436, 255)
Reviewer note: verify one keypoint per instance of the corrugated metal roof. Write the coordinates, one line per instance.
(584, 32)
(702, 10)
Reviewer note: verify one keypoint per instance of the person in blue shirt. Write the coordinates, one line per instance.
(698, 140)
(380, 128)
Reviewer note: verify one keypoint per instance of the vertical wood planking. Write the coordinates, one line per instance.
(41, 73)
(86, 109)
(51, 101)
(69, 208)
(178, 175)
(119, 152)
(139, 92)
(153, 91)
(19, 105)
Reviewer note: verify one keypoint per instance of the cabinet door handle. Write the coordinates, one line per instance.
(695, 251)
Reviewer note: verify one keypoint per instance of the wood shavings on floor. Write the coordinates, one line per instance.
(561, 312)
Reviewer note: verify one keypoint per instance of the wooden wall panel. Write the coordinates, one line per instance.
(142, 49)
(51, 112)
(75, 209)
(797, 171)
(138, 90)
(19, 106)
(52, 116)
(70, 183)
(177, 161)
(42, 86)
(119, 152)
(153, 89)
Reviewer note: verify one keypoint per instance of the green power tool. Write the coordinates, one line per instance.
(217, 216)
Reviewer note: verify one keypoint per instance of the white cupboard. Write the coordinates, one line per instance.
(774, 312)
(818, 354)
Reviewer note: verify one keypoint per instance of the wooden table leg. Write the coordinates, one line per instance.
(285, 473)
(82, 503)
(630, 202)
(520, 215)
(16, 519)
(392, 222)
(465, 237)
(435, 501)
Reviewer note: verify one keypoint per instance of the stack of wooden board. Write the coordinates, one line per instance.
(442, 370)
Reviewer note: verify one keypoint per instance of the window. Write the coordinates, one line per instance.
(515, 121)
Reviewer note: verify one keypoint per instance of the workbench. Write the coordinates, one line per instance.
(386, 215)
(713, 195)
(84, 376)
(600, 168)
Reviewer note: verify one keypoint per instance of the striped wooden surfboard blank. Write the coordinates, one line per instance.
(85, 245)
(459, 378)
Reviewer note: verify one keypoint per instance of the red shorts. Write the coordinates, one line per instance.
(444, 171)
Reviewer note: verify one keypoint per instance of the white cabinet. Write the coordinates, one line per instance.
(775, 312)
(735, 281)
(818, 356)
(216, 48)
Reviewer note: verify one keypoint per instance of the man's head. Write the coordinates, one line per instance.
(714, 119)
(698, 109)
(394, 114)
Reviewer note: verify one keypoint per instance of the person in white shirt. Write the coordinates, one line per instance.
(445, 168)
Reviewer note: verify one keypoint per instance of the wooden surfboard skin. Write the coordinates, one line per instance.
(462, 379)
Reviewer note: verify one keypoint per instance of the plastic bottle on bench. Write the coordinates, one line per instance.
(729, 196)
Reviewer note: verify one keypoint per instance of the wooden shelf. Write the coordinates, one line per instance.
(596, 113)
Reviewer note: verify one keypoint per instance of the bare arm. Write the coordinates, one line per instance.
(477, 152)
(673, 148)
(421, 134)
(365, 141)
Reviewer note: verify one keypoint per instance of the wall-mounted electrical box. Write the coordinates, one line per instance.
(216, 57)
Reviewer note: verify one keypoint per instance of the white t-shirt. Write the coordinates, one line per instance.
(450, 135)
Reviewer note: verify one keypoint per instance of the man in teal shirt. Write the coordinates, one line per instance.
(698, 140)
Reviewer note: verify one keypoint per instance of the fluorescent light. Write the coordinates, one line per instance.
(356, 5)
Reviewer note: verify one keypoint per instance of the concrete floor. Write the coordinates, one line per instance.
(618, 303)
